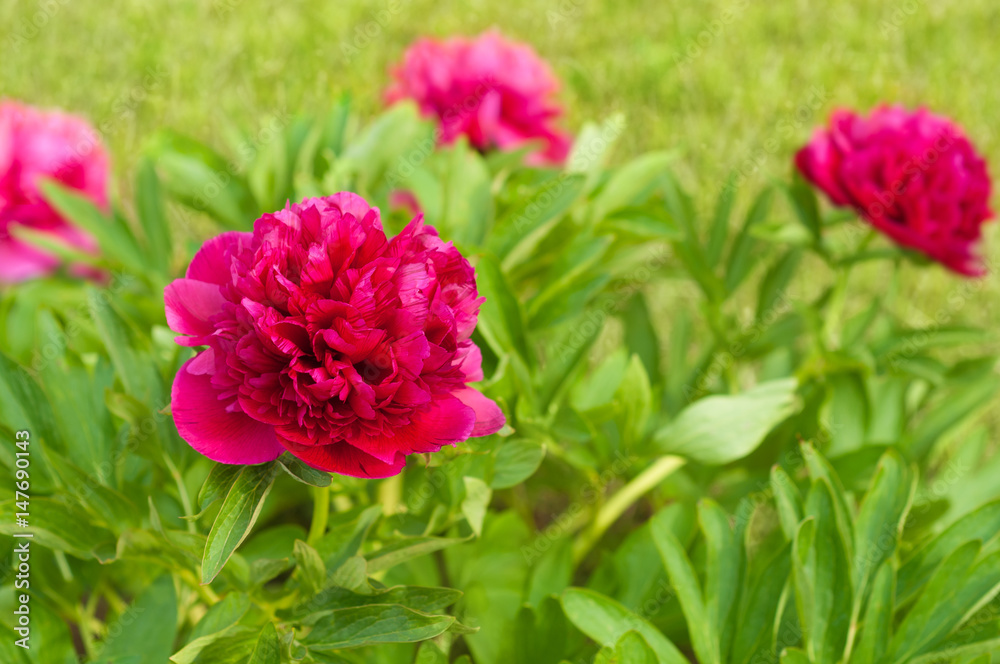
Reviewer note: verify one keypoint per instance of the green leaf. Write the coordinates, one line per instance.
(477, 500)
(794, 656)
(312, 570)
(774, 285)
(630, 649)
(803, 199)
(982, 524)
(334, 597)
(221, 616)
(822, 578)
(407, 548)
(755, 627)
(878, 527)
(723, 578)
(685, 583)
(524, 227)
(877, 626)
(218, 483)
(606, 621)
(236, 517)
(635, 394)
(960, 403)
(516, 461)
(630, 182)
(268, 648)
(295, 467)
(849, 413)
(720, 223)
(788, 501)
(202, 179)
(500, 318)
(56, 525)
(152, 216)
(430, 653)
(741, 254)
(216, 624)
(132, 368)
(147, 628)
(640, 336)
(468, 210)
(113, 235)
(373, 625)
(568, 274)
(719, 429)
(957, 587)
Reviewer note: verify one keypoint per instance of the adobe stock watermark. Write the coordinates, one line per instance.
(26, 29)
(451, 121)
(785, 128)
(367, 33)
(563, 12)
(900, 13)
(567, 522)
(246, 151)
(696, 46)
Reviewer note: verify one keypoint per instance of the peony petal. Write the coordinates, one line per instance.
(219, 434)
(191, 304)
(20, 261)
(213, 262)
(446, 421)
(489, 417)
(344, 459)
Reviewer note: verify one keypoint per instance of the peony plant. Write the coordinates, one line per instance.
(482, 423)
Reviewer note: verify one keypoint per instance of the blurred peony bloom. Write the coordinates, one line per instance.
(912, 175)
(405, 201)
(498, 93)
(325, 339)
(34, 145)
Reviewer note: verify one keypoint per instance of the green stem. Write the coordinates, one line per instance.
(390, 494)
(321, 514)
(181, 492)
(622, 500)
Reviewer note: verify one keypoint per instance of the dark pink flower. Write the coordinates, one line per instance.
(912, 175)
(37, 144)
(498, 93)
(325, 339)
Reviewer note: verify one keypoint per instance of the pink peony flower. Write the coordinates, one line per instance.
(497, 92)
(912, 175)
(325, 339)
(36, 144)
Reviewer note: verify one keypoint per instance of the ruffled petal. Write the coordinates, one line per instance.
(190, 305)
(345, 459)
(446, 421)
(213, 262)
(489, 417)
(221, 435)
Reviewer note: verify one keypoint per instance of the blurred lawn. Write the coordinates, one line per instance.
(731, 82)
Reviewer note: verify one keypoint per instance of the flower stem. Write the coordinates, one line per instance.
(622, 500)
(390, 493)
(321, 514)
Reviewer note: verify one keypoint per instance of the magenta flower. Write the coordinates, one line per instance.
(498, 93)
(37, 144)
(912, 175)
(325, 339)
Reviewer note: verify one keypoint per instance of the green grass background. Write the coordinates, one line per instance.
(736, 84)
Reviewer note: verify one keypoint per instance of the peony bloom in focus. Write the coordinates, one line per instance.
(37, 144)
(497, 92)
(912, 175)
(325, 339)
